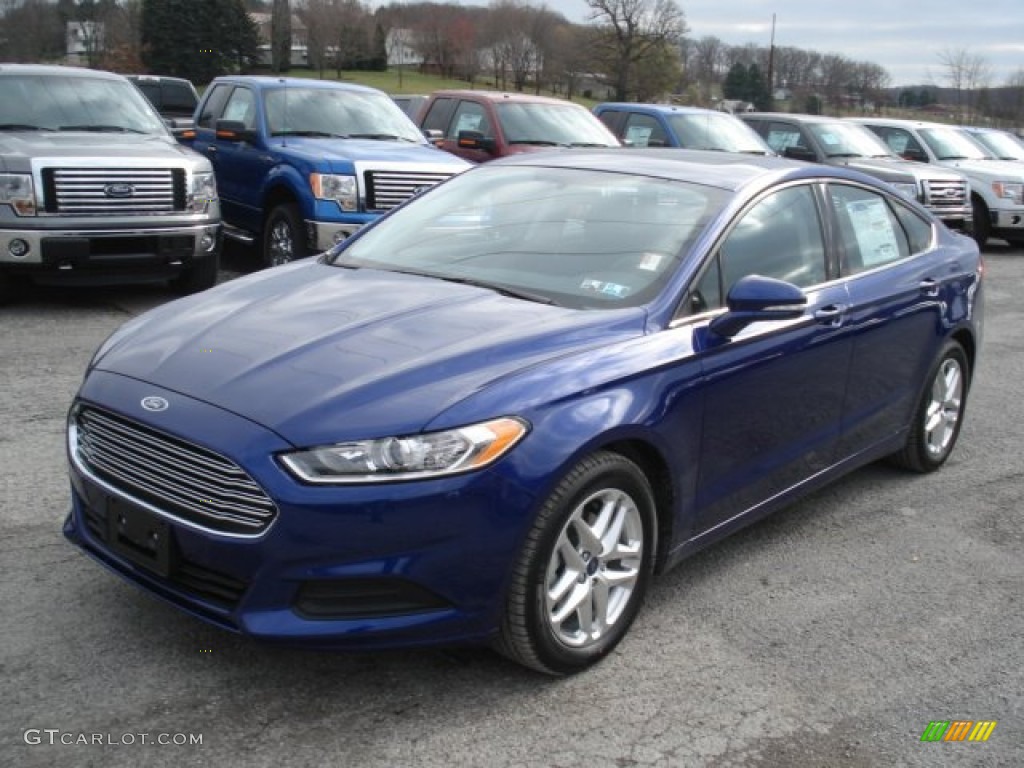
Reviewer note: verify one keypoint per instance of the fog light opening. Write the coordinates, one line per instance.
(207, 242)
(18, 248)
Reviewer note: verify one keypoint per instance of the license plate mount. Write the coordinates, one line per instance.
(139, 536)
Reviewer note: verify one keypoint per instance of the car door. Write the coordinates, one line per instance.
(898, 282)
(774, 393)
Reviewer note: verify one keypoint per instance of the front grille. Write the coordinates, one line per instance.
(387, 189)
(945, 194)
(113, 191)
(178, 477)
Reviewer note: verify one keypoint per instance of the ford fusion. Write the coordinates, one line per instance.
(493, 415)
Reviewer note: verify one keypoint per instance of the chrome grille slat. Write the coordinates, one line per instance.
(387, 189)
(183, 479)
(82, 190)
(950, 193)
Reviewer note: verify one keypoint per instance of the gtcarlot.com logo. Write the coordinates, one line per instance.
(52, 736)
(958, 730)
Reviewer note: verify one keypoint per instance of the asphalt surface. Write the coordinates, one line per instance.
(830, 634)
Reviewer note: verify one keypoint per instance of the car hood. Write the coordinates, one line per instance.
(341, 153)
(1004, 170)
(320, 354)
(879, 168)
(53, 144)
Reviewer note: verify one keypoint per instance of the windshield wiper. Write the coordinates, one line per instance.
(22, 127)
(844, 154)
(379, 137)
(99, 128)
(311, 134)
(587, 144)
(954, 157)
(538, 142)
(504, 290)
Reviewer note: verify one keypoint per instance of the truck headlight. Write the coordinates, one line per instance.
(332, 186)
(414, 457)
(1009, 190)
(17, 191)
(202, 191)
(907, 189)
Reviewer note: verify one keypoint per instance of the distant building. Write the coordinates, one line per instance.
(83, 41)
(401, 53)
(300, 39)
(732, 106)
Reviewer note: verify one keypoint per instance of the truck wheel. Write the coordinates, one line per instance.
(200, 275)
(982, 227)
(283, 236)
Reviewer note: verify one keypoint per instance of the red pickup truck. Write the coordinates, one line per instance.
(482, 125)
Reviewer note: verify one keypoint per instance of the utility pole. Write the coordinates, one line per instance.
(771, 68)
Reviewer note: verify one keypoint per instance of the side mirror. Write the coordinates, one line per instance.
(233, 130)
(433, 135)
(754, 298)
(799, 153)
(476, 140)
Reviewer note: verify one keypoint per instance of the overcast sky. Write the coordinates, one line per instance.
(905, 37)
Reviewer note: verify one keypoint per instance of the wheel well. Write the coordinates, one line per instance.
(277, 196)
(966, 340)
(655, 469)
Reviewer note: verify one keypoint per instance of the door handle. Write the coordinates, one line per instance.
(929, 287)
(830, 315)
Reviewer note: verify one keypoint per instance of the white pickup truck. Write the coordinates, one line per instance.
(997, 186)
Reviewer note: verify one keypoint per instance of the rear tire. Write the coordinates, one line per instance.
(584, 569)
(284, 239)
(939, 413)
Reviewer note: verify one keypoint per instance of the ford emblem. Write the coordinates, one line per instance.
(153, 403)
(119, 190)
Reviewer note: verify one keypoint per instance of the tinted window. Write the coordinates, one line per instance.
(870, 232)
(214, 104)
(779, 237)
(178, 96)
(437, 118)
(643, 131)
(470, 116)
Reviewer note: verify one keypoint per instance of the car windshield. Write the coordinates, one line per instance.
(1000, 144)
(298, 111)
(564, 125)
(69, 103)
(950, 144)
(848, 140)
(718, 132)
(577, 238)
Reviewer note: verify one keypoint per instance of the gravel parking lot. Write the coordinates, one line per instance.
(828, 635)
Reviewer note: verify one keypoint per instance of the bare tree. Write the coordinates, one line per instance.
(31, 31)
(708, 62)
(965, 72)
(281, 36)
(634, 29)
(320, 18)
(1015, 85)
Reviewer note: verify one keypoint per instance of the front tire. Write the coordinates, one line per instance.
(284, 238)
(981, 227)
(939, 414)
(198, 276)
(581, 577)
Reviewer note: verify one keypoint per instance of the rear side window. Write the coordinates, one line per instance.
(644, 131)
(871, 233)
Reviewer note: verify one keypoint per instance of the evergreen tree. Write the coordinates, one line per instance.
(197, 39)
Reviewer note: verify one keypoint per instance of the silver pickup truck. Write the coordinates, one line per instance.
(93, 187)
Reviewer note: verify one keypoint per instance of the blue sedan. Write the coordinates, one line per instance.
(493, 415)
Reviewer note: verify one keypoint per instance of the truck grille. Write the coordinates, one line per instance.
(387, 189)
(180, 478)
(945, 194)
(113, 191)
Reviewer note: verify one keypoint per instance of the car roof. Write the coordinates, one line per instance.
(902, 122)
(267, 81)
(158, 79)
(503, 96)
(57, 69)
(724, 170)
(793, 117)
(662, 108)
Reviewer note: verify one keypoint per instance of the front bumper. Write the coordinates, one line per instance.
(1012, 219)
(378, 566)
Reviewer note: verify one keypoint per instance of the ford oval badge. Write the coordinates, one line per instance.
(153, 403)
(119, 190)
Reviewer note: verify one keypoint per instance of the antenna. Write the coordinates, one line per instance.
(284, 142)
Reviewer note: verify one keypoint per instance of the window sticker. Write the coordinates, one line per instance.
(638, 135)
(649, 262)
(873, 227)
(615, 290)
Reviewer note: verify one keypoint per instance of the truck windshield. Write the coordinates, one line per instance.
(65, 103)
(298, 111)
(950, 144)
(568, 125)
(848, 140)
(717, 131)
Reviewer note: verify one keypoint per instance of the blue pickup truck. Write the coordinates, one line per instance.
(302, 164)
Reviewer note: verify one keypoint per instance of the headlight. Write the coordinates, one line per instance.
(17, 191)
(202, 191)
(341, 189)
(907, 189)
(407, 458)
(1008, 190)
